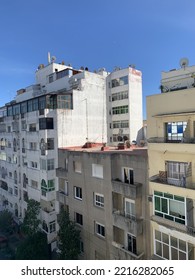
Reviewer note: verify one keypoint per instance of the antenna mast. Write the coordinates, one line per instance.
(48, 57)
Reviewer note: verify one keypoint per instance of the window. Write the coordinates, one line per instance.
(129, 208)
(128, 175)
(178, 171)
(23, 125)
(50, 164)
(77, 166)
(32, 127)
(66, 187)
(97, 170)
(33, 146)
(78, 218)
(131, 243)
(34, 184)
(15, 191)
(52, 226)
(120, 124)
(42, 103)
(50, 78)
(175, 130)
(23, 107)
(50, 143)
(78, 193)
(16, 109)
(171, 248)
(99, 200)
(120, 81)
(100, 229)
(120, 95)
(43, 164)
(120, 110)
(168, 206)
(33, 164)
(65, 101)
(50, 186)
(46, 123)
(62, 74)
(42, 146)
(15, 177)
(9, 111)
(66, 164)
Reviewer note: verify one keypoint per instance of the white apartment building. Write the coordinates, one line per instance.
(124, 103)
(65, 107)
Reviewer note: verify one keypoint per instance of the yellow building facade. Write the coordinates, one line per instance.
(171, 155)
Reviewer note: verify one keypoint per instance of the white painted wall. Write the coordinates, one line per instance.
(88, 117)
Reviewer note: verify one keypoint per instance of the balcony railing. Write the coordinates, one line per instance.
(128, 223)
(125, 253)
(185, 140)
(61, 172)
(171, 181)
(61, 197)
(126, 189)
(173, 225)
(48, 215)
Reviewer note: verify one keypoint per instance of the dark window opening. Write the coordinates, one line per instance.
(46, 123)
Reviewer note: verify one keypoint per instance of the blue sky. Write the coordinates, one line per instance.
(151, 34)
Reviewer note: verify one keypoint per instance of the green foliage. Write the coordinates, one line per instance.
(69, 237)
(31, 222)
(34, 247)
(6, 222)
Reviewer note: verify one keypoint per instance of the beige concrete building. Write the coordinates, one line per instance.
(171, 154)
(104, 191)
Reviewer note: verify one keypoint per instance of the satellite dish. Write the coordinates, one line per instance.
(183, 62)
(53, 58)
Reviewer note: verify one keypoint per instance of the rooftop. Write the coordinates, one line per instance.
(101, 148)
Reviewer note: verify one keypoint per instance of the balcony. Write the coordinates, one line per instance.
(184, 140)
(61, 172)
(161, 144)
(61, 197)
(48, 215)
(162, 178)
(132, 191)
(48, 196)
(33, 192)
(174, 226)
(130, 224)
(3, 185)
(125, 254)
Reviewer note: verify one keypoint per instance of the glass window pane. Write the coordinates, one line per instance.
(165, 238)
(164, 206)
(174, 242)
(158, 248)
(157, 203)
(182, 245)
(174, 254)
(182, 256)
(157, 235)
(165, 251)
